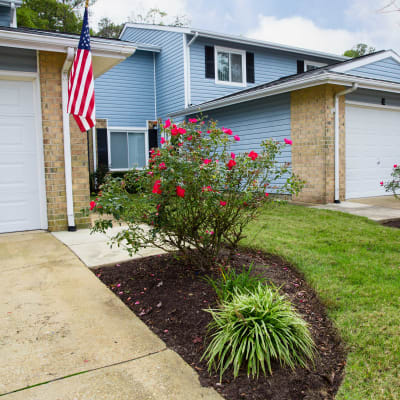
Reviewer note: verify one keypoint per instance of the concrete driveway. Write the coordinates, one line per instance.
(380, 209)
(63, 332)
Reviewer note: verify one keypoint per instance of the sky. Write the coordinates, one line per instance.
(330, 26)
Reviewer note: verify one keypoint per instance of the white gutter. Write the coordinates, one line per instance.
(13, 10)
(188, 89)
(67, 139)
(337, 139)
(326, 78)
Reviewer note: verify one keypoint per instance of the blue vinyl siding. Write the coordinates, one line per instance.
(255, 121)
(374, 97)
(125, 94)
(387, 69)
(13, 59)
(5, 16)
(169, 66)
(269, 65)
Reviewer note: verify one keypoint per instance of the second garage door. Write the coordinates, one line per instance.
(372, 148)
(20, 167)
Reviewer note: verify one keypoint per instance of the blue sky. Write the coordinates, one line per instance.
(332, 26)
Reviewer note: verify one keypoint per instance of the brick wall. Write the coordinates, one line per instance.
(313, 135)
(50, 65)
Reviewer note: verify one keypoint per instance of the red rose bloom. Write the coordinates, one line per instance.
(253, 155)
(157, 187)
(180, 191)
(231, 164)
(92, 205)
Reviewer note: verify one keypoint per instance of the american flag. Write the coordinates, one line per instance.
(81, 85)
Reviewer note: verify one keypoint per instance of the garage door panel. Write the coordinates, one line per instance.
(372, 147)
(19, 159)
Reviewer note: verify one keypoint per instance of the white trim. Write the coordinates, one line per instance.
(314, 64)
(356, 63)
(155, 86)
(236, 39)
(135, 129)
(67, 139)
(372, 105)
(39, 128)
(230, 51)
(308, 81)
(18, 75)
(185, 69)
(60, 43)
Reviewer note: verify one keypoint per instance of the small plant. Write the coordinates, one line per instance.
(394, 184)
(255, 328)
(230, 280)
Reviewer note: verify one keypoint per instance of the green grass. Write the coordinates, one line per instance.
(354, 265)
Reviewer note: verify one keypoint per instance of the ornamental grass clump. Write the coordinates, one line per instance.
(253, 329)
(196, 194)
(230, 281)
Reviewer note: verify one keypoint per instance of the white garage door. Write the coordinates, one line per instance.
(372, 148)
(19, 158)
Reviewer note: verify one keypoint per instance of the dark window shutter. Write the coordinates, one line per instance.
(210, 62)
(250, 67)
(153, 139)
(102, 148)
(300, 66)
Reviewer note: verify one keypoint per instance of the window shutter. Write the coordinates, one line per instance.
(250, 67)
(102, 147)
(300, 66)
(209, 62)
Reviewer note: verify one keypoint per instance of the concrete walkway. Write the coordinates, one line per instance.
(94, 249)
(63, 330)
(380, 209)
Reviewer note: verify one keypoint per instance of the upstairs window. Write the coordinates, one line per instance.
(230, 66)
(311, 65)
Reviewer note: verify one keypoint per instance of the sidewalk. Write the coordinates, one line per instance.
(63, 330)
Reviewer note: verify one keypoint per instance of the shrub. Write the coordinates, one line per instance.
(394, 184)
(196, 194)
(255, 328)
(230, 280)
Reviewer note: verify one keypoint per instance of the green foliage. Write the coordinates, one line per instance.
(359, 50)
(55, 15)
(393, 186)
(108, 29)
(196, 194)
(231, 281)
(97, 178)
(255, 328)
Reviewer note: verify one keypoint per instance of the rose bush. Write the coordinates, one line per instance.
(394, 184)
(195, 195)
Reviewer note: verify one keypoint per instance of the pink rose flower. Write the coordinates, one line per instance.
(207, 161)
(222, 203)
(180, 191)
(157, 187)
(92, 205)
(253, 155)
(288, 141)
(190, 137)
(162, 166)
(233, 156)
(381, 183)
(395, 166)
(231, 164)
(182, 131)
(192, 120)
(237, 138)
(226, 130)
(162, 140)
(174, 131)
(167, 124)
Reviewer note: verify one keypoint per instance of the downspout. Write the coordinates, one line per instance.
(67, 140)
(188, 78)
(337, 137)
(13, 17)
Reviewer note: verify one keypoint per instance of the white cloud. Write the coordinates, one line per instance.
(120, 10)
(302, 32)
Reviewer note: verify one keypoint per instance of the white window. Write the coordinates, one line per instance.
(127, 148)
(310, 65)
(231, 66)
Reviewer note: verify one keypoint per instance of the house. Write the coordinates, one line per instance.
(342, 114)
(43, 155)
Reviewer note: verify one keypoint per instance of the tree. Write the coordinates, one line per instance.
(108, 29)
(155, 16)
(55, 15)
(358, 50)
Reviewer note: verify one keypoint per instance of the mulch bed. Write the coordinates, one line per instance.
(395, 223)
(170, 297)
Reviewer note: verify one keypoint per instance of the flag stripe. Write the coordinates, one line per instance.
(81, 99)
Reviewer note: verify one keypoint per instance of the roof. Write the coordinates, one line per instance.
(8, 3)
(237, 39)
(333, 74)
(96, 40)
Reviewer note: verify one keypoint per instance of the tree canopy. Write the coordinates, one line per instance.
(358, 50)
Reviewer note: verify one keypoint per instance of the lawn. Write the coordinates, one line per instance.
(354, 265)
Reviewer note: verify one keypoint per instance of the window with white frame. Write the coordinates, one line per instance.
(231, 66)
(311, 65)
(127, 149)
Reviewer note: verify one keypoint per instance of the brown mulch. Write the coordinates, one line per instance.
(394, 223)
(170, 297)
